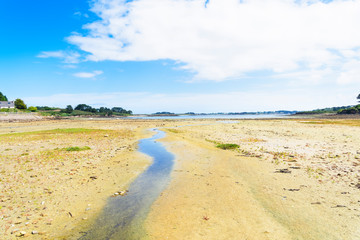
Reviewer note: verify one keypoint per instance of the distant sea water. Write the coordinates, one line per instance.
(215, 116)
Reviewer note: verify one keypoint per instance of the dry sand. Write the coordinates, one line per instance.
(56, 193)
(248, 194)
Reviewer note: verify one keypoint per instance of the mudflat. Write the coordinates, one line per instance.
(55, 176)
(288, 179)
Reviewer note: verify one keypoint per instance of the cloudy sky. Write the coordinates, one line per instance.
(181, 55)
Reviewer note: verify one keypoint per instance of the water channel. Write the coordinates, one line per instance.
(123, 217)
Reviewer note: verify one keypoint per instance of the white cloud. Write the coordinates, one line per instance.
(88, 74)
(69, 66)
(229, 38)
(350, 73)
(79, 14)
(66, 56)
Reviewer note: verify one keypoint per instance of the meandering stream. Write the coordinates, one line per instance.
(123, 217)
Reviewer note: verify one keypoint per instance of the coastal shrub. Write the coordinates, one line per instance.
(32, 109)
(81, 113)
(8, 110)
(77, 149)
(46, 108)
(352, 110)
(227, 146)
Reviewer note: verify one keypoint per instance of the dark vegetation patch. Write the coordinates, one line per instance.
(227, 146)
(77, 149)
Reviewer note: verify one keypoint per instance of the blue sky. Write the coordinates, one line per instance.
(180, 56)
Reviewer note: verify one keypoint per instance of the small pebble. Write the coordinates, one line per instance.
(21, 234)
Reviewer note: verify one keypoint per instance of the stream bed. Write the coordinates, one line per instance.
(123, 217)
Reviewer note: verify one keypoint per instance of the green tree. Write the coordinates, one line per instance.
(358, 98)
(32, 109)
(105, 111)
(69, 109)
(121, 110)
(19, 104)
(84, 107)
(3, 97)
(118, 109)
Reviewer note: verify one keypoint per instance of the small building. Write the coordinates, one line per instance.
(7, 104)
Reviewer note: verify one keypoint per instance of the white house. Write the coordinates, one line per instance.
(7, 104)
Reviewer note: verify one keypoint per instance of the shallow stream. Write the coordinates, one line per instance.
(123, 217)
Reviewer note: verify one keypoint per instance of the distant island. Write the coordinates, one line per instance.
(285, 112)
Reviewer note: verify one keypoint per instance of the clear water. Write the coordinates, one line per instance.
(123, 217)
(250, 116)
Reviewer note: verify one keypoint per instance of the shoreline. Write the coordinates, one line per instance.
(32, 117)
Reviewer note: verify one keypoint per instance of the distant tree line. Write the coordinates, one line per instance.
(164, 113)
(352, 109)
(80, 109)
(46, 108)
(339, 110)
(325, 110)
(102, 110)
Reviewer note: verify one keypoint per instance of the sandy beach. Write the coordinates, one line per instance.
(289, 179)
(46, 190)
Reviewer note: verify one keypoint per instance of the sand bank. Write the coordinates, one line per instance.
(290, 179)
(55, 193)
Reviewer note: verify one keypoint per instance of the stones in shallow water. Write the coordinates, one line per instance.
(120, 193)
